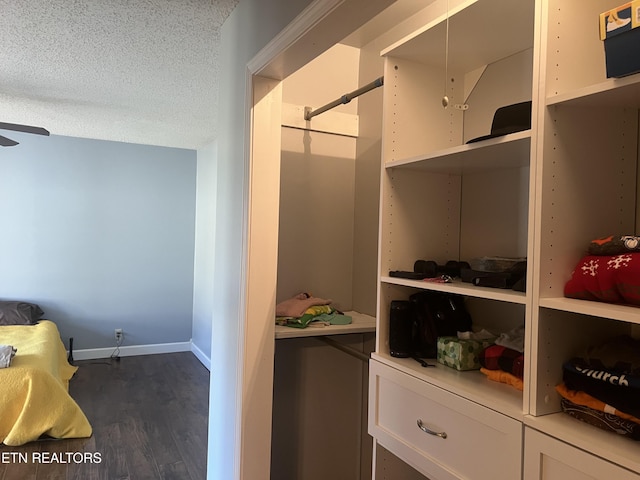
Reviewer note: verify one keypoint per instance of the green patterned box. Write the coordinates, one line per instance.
(460, 354)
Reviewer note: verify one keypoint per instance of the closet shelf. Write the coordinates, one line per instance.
(623, 313)
(472, 385)
(462, 288)
(475, 40)
(610, 446)
(361, 324)
(508, 151)
(613, 92)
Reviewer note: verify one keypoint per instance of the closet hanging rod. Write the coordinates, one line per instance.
(345, 348)
(308, 113)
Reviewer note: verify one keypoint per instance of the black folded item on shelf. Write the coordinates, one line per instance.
(429, 269)
(407, 275)
(514, 277)
(618, 389)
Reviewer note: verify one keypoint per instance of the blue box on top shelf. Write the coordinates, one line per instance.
(618, 30)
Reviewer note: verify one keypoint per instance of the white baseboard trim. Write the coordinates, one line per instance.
(132, 350)
(206, 361)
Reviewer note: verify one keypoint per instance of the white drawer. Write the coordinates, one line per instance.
(476, 443)
(546, 458)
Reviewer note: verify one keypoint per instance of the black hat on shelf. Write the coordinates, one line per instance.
(509, 119)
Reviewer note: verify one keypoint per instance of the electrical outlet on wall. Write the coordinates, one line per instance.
(119, 335)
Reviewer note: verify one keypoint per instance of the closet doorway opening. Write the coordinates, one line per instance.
(327, 246)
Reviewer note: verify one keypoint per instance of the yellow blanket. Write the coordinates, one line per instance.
(34, 398)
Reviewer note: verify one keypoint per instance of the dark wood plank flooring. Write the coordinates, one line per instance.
(149, 416)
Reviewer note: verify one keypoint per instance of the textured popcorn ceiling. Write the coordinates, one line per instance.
(141, 71)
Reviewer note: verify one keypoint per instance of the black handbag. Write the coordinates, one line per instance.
(436, 314)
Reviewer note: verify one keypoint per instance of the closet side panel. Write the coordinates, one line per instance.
(367, 185)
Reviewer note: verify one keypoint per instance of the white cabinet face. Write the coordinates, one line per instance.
(546, 458)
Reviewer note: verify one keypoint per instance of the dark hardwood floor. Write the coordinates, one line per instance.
(149, 416)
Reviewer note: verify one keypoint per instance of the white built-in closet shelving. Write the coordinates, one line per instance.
(429, 170)
(543, 193)
(587, 188)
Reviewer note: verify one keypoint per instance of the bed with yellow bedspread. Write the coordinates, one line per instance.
(34, 390)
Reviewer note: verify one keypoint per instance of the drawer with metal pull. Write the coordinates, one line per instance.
(442, 435)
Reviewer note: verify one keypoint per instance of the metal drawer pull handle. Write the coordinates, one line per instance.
(431, 432)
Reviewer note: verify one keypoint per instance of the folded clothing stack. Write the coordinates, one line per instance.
(610, 272)
(304, 309)
(602, 388)
(7, 352)
(504, 361)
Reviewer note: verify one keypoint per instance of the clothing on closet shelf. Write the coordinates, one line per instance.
(498, 357)
(621, 353)
(603, 387)
(513, 339)
(614, 387)
(602, 420)
(503, 377)
(610, 272)
(504, 360)
(586, 400)
(296, 306)
(305, 310)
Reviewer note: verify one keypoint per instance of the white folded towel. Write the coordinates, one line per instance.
(7, 352)
(513, 339)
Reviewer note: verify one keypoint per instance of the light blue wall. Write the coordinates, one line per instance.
(203, 302)
(101, 235)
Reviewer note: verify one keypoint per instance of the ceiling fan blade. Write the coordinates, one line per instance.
(7, 142)
(23, 128)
